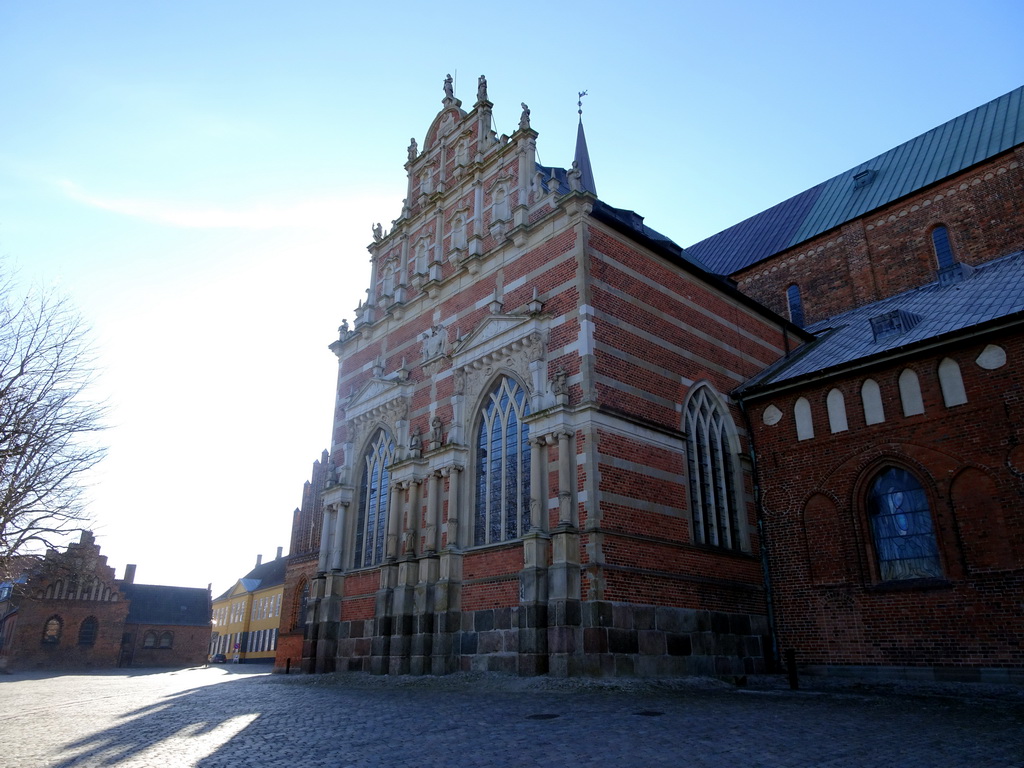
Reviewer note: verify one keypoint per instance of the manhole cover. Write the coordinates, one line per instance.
(542, 716)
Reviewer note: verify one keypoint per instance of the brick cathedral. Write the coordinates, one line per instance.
(565, 445)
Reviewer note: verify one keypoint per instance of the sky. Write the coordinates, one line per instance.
(201, 178)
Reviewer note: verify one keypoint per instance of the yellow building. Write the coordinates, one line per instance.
(246, 618)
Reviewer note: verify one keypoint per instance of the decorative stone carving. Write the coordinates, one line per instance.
(449, 91)
(413, 151)
(575, 177)
(415, 445)
(434, 342)
(436, 433)
(481, 89)
(560, 388)
(524, 118)
(378, 232)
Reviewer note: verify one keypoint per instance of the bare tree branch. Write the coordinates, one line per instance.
(47, 425)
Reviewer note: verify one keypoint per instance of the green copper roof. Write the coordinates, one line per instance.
(952, 147)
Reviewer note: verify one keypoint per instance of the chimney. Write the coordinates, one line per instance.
(279, 551)
(129, 574)
(259, 560)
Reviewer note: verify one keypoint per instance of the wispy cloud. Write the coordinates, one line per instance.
(308, 213)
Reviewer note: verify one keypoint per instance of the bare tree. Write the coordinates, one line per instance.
(48, 426)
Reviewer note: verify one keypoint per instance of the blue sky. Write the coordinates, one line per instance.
(201, 179)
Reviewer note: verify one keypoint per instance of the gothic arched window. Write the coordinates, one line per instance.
(711, 460)
(87, 631)
(372, 517)
(503, 465)
(299, 619)
(901, 525)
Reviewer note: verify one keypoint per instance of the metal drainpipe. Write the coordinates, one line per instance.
(759, 509)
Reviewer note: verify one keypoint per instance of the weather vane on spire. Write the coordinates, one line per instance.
(579, 104)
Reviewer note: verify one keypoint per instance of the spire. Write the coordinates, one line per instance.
(582, 157)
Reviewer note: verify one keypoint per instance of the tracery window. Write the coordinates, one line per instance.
(711, 461)
(87, 631)
(371, 521)
(901, 525)
(503, 465)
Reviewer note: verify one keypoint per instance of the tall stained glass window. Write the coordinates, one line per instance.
(503, 465)
(372, 519)
(714, 506)
(901, 524)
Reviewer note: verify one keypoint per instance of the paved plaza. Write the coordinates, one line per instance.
(233, 717)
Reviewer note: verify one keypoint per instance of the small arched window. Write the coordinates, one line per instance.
(943, 250)
(87, 631)
(711, 462)
(871, 399)
(796, 305)
(804, 419)
(910, 393)
(836, 404)
(374, 487)
(951, 383)
(52, 630)
(503, 465)
(149, 639)
(901, 525)
(166, 639)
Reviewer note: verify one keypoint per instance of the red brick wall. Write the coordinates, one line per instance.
(890, 250)
(832, 606)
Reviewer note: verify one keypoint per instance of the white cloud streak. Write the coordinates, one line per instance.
(313, 213)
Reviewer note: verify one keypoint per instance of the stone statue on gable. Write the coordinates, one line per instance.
(413, 148)
(481, 88)
(524, 119)
(378, 232)
(449, 92)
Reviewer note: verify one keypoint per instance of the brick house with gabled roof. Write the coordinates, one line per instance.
(68, 611)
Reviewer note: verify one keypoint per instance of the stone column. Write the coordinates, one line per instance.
(565, 478)
(337, 546)
(447, 619)
(325, 540)
(533, 578)
(394, 522)
(433, 530)
(538, 499)
(564, 608)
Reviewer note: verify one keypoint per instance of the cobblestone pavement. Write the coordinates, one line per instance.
(231, 717)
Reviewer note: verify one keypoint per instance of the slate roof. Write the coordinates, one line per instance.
(992, 292)
(268, 574)
(157, 604)
(952, 147)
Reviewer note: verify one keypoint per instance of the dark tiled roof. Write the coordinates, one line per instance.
(268, 574)
(156, 604)
(991, 292)
(950, 148)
